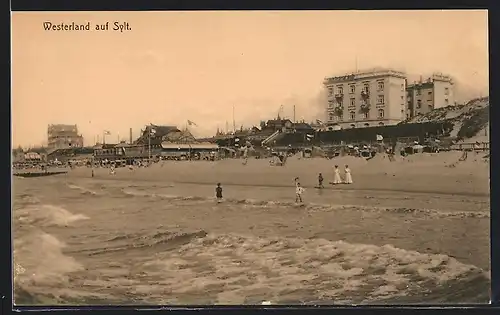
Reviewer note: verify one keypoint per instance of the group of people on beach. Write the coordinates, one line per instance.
(299, 190)
(337, 179)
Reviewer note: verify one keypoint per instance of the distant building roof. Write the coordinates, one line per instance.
(104, 146)
(179, 136)
(302, 125)
(156, 138)
(278, 121)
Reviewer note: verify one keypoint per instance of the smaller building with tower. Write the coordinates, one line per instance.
(60, 136)
(424, 96)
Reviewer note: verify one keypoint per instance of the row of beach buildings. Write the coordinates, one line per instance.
(376, 99)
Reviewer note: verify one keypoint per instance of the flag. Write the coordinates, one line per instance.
(107, 133)
(191, 123)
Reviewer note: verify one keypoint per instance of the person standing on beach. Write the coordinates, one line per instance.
(298, 193)
(336, 176)
(320, 181)
(218, 193)
(348, 177)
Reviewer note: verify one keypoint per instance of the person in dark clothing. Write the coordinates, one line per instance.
(320, 181)
(218, 192)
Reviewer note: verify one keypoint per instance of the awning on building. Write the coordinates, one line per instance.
(175, 146)
(204, 146)
(184, 146)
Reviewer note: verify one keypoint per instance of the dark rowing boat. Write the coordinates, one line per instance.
(39, 174)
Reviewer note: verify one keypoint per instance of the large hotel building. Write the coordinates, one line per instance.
(381, 97)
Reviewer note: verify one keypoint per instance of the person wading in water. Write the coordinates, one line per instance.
(298, 193)
(320, 181)
(218, 193)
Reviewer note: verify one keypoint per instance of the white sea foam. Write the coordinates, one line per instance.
(46, 215)
(248, 270)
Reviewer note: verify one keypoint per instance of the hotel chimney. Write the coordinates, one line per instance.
(130, 136)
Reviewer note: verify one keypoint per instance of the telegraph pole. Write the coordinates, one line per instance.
(149, 143)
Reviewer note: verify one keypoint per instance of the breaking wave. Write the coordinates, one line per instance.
(83, 190)
(40, 267)
(203, 268)
(46, 215)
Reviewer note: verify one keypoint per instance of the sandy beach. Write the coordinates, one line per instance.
(427, 173)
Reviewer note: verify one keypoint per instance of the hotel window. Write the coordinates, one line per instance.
(419, 103)
(352, 115)
(446, 91)
(330, 91)
(330, 104)
(380, 86)
(402, 87)
(429, 93)
(419, 92)
(366, 88)
(331, 116)
(364, 115)
(340, 90)
(380, 99)
(353, 102)
(380, 113)
(403, 114)
(446, 101)
(352, 89)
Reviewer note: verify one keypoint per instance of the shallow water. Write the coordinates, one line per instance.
(87, 241)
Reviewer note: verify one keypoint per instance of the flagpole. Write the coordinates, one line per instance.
(234, 122)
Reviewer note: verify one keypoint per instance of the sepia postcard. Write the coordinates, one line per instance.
(250, 158)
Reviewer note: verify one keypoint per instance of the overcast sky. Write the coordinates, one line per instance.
(174, 66)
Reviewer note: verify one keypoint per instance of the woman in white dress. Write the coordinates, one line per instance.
(348, 177)
(336, 176)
